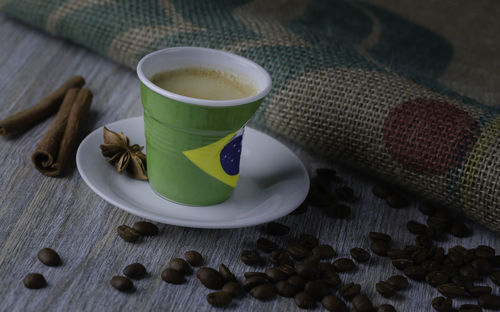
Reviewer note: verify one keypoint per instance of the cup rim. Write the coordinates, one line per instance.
(202, 102)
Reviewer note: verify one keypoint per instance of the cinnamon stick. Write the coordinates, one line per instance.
(25, 119)
(52, 153)
(46, 152)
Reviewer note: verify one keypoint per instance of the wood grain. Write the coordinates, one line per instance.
(64, 214)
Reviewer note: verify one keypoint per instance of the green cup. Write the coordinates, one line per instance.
(193, 145)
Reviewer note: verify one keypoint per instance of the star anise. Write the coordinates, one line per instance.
(123, 156)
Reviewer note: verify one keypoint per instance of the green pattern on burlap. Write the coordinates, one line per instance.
(351, 80)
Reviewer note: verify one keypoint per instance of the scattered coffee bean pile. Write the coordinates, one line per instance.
(47, 256)
(304, 270)
(141, 228)
(307, 271)
(134, 270)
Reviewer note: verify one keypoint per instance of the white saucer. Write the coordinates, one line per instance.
(273, 182)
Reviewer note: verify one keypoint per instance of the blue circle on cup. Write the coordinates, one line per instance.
(230, 156)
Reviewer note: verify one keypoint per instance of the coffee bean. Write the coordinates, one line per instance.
(279, 257)
(145, 228)
(396, 201)
(333, 303)
(431, 265)
(180, 265)
(415, 272)
(482, 266)
(458, 249)
(380, 248)
(308, 271)
(34, 281)
(253, 281)
(469, 308)
(436, 278)
(451, 290)
(471, 255)
(385, 289)
(427, 208)
(253, 274)
(301, 209)
(320, 196)
(323, 251)
(415, 227)
(485, 252)
(317, 289)
(468, 271)
(288, 269)
(251, 257)
(227, 275)
(344, 265)
(219, 299)
(382, 190)
(457, 255)
(321, 183)
(386, 308)
(359, 254)
(345, 193)
(476, 291)
(285, 289)
(436, 234)
(362, 304)
(350, 290)
(379, 236)
(49, 257)
(298, 252)
(489, 302)
(495, 278)
(128, 234)
(193, 257)
(424, 241)
(438, 254)
(402, 264)
(277, 229)
(311, 259)
(419, 256)
(332, 279)
(172, 276)
(308, 241)
(134, 270)
(233, 289)
(440, 220)
(463, 281)
(459, 229)
(262, 292)
(442, 304)
(266, 245)
(210, 278)
(326, 266)
(275, 275)
(122, 283)
(399, 254)
(399, 282)
(304, 301)
(297, 281)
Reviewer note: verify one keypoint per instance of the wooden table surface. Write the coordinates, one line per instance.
(63, 213)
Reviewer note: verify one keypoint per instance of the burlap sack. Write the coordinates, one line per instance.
(352, 80)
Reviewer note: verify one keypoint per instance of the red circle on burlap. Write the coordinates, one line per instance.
(428, 136)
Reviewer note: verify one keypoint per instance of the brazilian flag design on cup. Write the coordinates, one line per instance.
(193, 146)
(220, 159)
